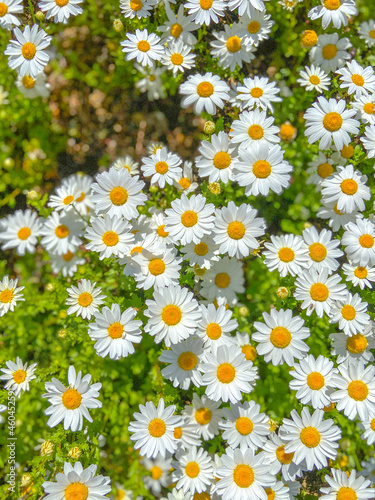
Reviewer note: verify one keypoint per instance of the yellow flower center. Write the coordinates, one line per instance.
(358, 80)
(115, 330)
(332, 121)
(324, 170)
(201, 496)
(187, 361)
(286, 254)
(156, 472)
(310, 437)
(157, 427)
(317, 252)
(68, 256)
(171, 315)
(243, 476)
(309, 38)
(253, 27)
(143, 46)
(261, 169)
(255, 132)
(329, 51)
(236, 230)
(28, 50)
(68, 199)
(372, 425)
(369, 108)
(161, 232)
(336, 210)
(184, 182)
(203, 416)
(76, 491)
(256, 92)
(136, 250)
(332, 4)
(118, 196)
(356, 343)
(177, 59)
(366, 241)
(349, 186)
(371, 33)
(177, 433)
(201, 249)
(213, 331)
(161, 167)
(71, 399)
(348, 312)
(62, 231)
(282, 457)
(226, 373)
(61, 3)
(330, 407)
(357, 390)
(156, 267)
(315, 80)
(192, 469)
(280, 337)
(346, 493)
(287, 132)
(176, 30)
(24, 233)
(85, 299)
(234, 44)
(136, 5)
(360, 272)
(19, 376)
(249, 351)
(315, 381)
(222, 280)
(270, 493)
(222, 160)
(189, 218)
(110, 238)
(81, 197)
(244, 426)
(205, 89)
(205, 4)
(319, 292)
(3, 9)
(28, 82)
(347, 151)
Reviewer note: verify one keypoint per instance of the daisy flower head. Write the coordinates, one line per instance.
(62, 233)
(357, 79)
(205, 11)
(258, 92)
(224, 280)
(17, 376)
(187, 435)
(244, 426)
(202, 254)
(336, 218)
(153, 429)
(33, 87)
(286, 253)
(204, 92)
(216, 325)
(109, 236)
(116, 193)
(159, 474)
(323, 250)
(184, 361)
(115, 333)
(59, 10)
(83, 203)
(312, 381)
(157, 226)
(71, 403)
(362, 276)
(178, 57)
(178, 27)
(354, 349)
(173, 315)
(137, 8)
(143, 46)
(8, 9)
(350, 313)
(186, 182)
(243, 475)
(227, 374)
(76, 483)
(288, 4)
(64, 198)
(9, 294)
(253, 127)
(245, 6)
(151, 81)
(330, 52)
(359, 240)
(349, 485)
(163, 167)
(21, 231)
(314, 78)
(368, 140)
(231, 48)
(336, 12)
(310, 439)
(365, 107)
(193, 470)
(277, 460)
(27, 53)
(319, 169)
(343, 155)
(256, 25)
(205, 415)
(356, 390)
(189, 219)
(126, 162)
(84, 299)
(366, 32)
(66, 263)
(243, 341)
(218, 157)
(281, 338)
(369, 427)
(329, 121)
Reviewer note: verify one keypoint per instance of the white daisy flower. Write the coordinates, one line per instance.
(218, 158)
(314, 78)
(336, 12)
(318, 291)
(143, 46)
(227, 374)
(116, 193)
(8, 9)
(320, 169)
(279, 491)
(245, 6)
(362, 276)
(66, 263)
(153, 429)
(224, 280)
(9, 294)
(258, 92)
(187, 435)
(323, 250)
(243, 341)
(350, 313)
(83, 204)
(20, 231)
(276, 460)
(281, 339)
(115, 332)
(77, 483)
(189, 219)
(33, 87)
(365, 107)
(244, 426)
(151, 81)
(193, 470)
(178, 57)
(178, 27)
(312, 381)
(357, 79)
(343, 484)
(64, 198)
(159, 474)
(253, 127)
(336, 218)
(330, 52)
(205, 11)
(359, 240)
(60, 10)
(71, 403)
(62, 233)
(286, 253)
(256, 25)
(368, 140)
(137, 8)
(215, 326)
(126, 162)
(366, 32)
(186, 182)
(205, 92)
(354, 349)
(356, 390)
(173, 315)
(163, 167)
(109, 236)
(84, 299)
(369, 435)
(17, 376)
(27, 53)
(157, 226)
(202, 254)
(231, 48)
(310, 439)
(184, 361)
(205, 415)
(177, 494)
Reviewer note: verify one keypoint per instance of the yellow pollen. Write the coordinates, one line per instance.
(349, 186)
(369, 108)
(324, 170)
(315, 80)
(270, 493)
(315, 381)
(222, 160)
(68, 256)
(143, 46)
(348, 312)
(187, 361)
(201, 496)
(366, 241)
(177, 433)
(282, 457)
(358, 80)
(71, 399)
(62, 231)
(176, 30)
(287, 132)
(226, 373)
(110, 238)
(280, 337)
(261, 169)
(332, 121)
(136, 250)
(24, 233)
(347, 151)
(332, 4)
(68, 199)
(372, 425)
(234, 44)
(61, 3)
(136, 5)
(19, 376)
(85, 299)
(151, 78)
(28, 82)
(115, 330)
(358, 390)
(161, 167)
(189, 218)
(319, 292)
(236, 230)
(81, 197)
(177, 59)
(157, 427)
(156, 267)
(330, 407)
(28, 50)
(171, 315)
(356, 343)
(201, 249)
(360, 272)
(346, 493)
(329, 51)
(222, 280)
(205, 4)
(309, 38)
(203, 416)
(249, 351)
(255, 132)
(317, 252)
(184, 182)
(213, 331)
(205, 89)
(253, 27)
(310, 437)
(156, 472)
(243, 476)
(244, 426)
(256, 92)
(336, 210)
(192, 469)
(76, 491)
(371, 33)
(161, 232)
(286, 254)
(3, 9)
(118, 196)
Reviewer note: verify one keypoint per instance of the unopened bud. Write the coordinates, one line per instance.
(75, 452)
(282, 292)
(39, 15)
(32, 195)
(214, 188)
(209, 128)
(243, 311)
(117, 25)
